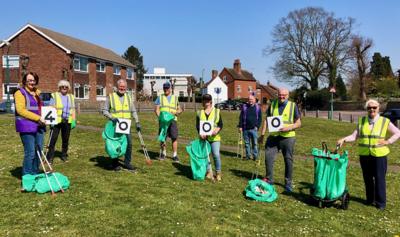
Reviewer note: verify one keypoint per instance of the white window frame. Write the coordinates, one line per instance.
(238, 89)
(13, 61)
(101, 69)
(102, 89)
(79, 68)
(224, 79)
(127, 73)
(10, 86)
(181, 94)
(86, 89)
(117, 72)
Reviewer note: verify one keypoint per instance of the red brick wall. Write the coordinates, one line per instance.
(109, 78)
(101, 79)
(92, 80)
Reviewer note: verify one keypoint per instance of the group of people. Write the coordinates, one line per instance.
(371, 131)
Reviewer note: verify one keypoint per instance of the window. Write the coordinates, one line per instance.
(238, 88)
(117, 70)
(100, 67)
(129, 73)
(81, 92)
(13, 61)
(12, 87)
(258, 91)
(80, 64)
(181, 93)
(224, 79)
(100, 91)
(250, 88)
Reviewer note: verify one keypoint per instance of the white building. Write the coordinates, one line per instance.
(159, 77)
(216, 88)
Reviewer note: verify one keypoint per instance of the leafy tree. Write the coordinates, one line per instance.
(133, 55)
(341, 90)
(380, 67)
(387, 87)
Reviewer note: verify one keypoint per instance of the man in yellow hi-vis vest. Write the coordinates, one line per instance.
(169, 103)
(119, 105)
(283, 140)
(64, 103)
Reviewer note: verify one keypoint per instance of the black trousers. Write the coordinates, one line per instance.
(65, 129)
(374, 173)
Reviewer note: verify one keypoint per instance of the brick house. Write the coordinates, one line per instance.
(92, 70)
(266, 92)
(240, 82)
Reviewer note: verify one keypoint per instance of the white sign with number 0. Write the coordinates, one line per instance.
(123, 126)
(274, 123)
(49, 114)
(206, 128)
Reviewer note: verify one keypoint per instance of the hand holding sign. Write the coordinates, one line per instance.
(49, 115)
(274, 123)
(206, 128)
(123, 126)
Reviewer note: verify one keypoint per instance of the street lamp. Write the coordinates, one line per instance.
(7, 76)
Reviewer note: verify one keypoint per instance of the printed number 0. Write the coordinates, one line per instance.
(49, 117)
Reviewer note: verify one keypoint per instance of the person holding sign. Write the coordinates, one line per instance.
(209, 121)
(284, 139)
(169, 103)
(64, 103)
(119, 105)
(28, 122)
(249, 123)
(373, 150)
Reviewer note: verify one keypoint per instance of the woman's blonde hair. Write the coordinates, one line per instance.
(371, 101)
(64, 83)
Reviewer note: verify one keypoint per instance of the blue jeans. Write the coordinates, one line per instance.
(215, 146)
(250, 139)
(30, 165)
(128, 153)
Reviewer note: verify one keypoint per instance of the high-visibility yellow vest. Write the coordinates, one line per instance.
(169, 106)
(118, 109)
(368, 139)
(59, 106)
(287, 117)
(213, 118)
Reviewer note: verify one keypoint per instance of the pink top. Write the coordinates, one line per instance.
(392, 129)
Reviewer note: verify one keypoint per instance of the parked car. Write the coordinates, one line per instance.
(229, 105)
(3, 106)
(45, 97)
(393, 114)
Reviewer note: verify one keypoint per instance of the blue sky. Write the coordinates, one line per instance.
(188, 36)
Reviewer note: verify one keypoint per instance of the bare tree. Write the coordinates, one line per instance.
(360, 53)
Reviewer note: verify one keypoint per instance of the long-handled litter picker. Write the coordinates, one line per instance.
(49, 170)
(146, 154)
(257, 162)
(239, 151)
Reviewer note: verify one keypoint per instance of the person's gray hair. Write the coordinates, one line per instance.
(64, 83)
(121, 80)
(371, 101)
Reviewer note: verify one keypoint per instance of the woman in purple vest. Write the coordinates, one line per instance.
(28, 123)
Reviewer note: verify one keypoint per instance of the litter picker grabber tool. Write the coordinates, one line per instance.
(48, 143)
(257, 163)
(49, 170)
(146, 154)
(209, 164)
(240, 148)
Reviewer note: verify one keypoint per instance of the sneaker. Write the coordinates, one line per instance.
(175, 159)
(288, 188)
(64, 158)
(162, 156)
(218, 176)
(267, 180)
(130, 168)
(117, 168)
(209, 175)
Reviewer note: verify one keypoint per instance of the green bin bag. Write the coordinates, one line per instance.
(261, 191)
(198, 151)
(330, 174)
(115, 143)
(38, 182)
(164, 120)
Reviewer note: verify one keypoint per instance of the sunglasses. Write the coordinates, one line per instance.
(372, 107)
(64, 87)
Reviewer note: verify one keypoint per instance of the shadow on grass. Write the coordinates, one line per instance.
(229, 153)
(102, 161)
(153, 155)
(241, 173)
(17, 172)
(183, 170)
(303, 195)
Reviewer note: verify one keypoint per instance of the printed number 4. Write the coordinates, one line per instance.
(49, 117)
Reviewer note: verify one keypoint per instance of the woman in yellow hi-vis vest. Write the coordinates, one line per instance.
(64, 103)
(169, 103)
(209, 113)
(372, 149)
(283, 140)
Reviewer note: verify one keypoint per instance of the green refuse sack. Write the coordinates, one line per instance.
(115, 143)
(38, 182)
(199, 151)
(73, 124)
(330, 173)
(261, 191)
(165, 119)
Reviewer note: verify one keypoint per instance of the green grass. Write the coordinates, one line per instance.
(162, 200)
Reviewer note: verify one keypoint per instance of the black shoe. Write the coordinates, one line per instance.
(130, 168)
(64, 158)
(175, 159)
(162, 156)
(117, 168)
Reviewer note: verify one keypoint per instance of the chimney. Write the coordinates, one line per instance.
(237, 66)
(214, 74)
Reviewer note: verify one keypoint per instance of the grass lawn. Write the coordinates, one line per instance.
(163, 200)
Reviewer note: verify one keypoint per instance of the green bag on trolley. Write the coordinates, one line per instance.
(115, 143)
(330, 173)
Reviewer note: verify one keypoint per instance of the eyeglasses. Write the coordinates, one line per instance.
(372, 107)
(31, 80)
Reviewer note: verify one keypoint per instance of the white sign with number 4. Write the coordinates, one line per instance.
(123, 126)
(49, 114)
